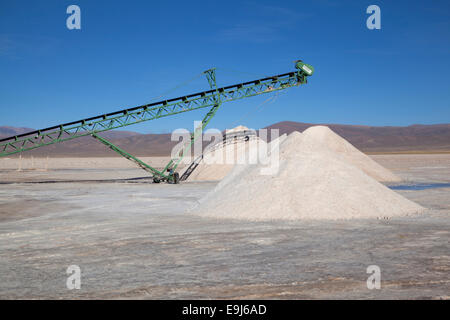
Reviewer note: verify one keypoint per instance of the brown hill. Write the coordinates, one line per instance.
(414, 138)
(138, 144)
(6, 131)
(418, 138)
(133, 142)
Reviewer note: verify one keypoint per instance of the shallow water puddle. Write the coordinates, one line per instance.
(420, 186)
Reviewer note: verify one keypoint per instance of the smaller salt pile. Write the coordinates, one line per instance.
(251, 161)
(313, 182)
(221, 159)
(326, 137)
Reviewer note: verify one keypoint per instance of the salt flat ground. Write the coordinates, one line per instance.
(134, 239)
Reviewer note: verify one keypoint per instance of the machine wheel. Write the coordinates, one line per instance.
(176, 178)
(156, 180)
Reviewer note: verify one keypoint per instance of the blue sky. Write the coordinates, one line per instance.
(130, 52)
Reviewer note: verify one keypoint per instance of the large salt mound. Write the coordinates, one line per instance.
(312, 183)
(325, 136)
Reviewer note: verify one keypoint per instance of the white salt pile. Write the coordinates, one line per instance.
(326, 137)
(219, 161)
(313, 182)
(237, 129)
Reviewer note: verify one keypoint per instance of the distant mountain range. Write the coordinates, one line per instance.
(420, 138)
(414, 138)
(6, 131)
(133, 142)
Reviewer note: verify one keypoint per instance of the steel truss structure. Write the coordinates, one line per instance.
(213, 98)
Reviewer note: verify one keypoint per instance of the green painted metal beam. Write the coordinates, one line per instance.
(173, 163)
(130, 157)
